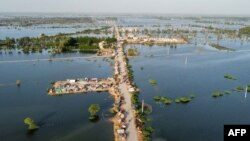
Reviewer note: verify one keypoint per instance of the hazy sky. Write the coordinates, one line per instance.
(228, 7)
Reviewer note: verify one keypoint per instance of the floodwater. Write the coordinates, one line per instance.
(34, 31)
(203, 118)
(65, 118)
(62, 118)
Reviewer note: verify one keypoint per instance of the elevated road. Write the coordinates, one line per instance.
(123, 86)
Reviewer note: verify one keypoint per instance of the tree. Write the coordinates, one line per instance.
(244, 31)
(30, 122)
(24, 41)
(94, 109)
(70, 42)
(9, 42)
(110, 40)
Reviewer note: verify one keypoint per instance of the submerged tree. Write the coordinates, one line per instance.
(30, 122)
(152, 82)
(18, 83)
(93, 110)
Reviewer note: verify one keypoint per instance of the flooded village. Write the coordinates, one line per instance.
(72, 86)
(120, 87)
(170, 58)
(132, 39)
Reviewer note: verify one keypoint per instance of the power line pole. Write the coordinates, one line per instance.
(142, 106)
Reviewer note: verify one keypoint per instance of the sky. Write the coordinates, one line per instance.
(213, 7)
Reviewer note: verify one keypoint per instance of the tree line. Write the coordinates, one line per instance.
(58, 43)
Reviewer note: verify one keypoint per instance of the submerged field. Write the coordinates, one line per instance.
(62, 118)
(203, 74)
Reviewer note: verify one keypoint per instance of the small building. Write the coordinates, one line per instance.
(102, 44)
(131, 89)
(121, 131)
(71, 80)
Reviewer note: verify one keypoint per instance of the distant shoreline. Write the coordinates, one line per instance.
(82, 14)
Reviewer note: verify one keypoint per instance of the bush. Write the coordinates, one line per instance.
(221, 47)
(135, 98)
(217, 94)
(157, 98)
(229, 76)
(147, 133)
(152, 82)
(183, 99)
(132, 52)
(94, 109)
(30, 122)
(163, 99)
(239, 88)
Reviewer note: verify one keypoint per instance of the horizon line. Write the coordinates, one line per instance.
(131, 13)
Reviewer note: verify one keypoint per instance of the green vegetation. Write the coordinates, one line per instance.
(219, 47)
(163, 99)
(95, 31)
(8, 42)
(229, 76)
(81, 43)
(135, 98)
(152, 82)
(130, 71)
(176, 31)
(227, 92)
(93, 110)
(59, 43)
(143, 122)
(217, 94)
(56, 21)
(184, 99)
(248, 87)
(147, 133)
(157, 98)
(166, 100)
(245, 31)
(132, 52)
(147, 109)
(141, 117)
(30, 122)
(238, 88)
